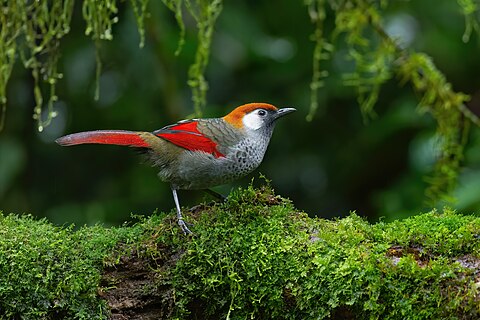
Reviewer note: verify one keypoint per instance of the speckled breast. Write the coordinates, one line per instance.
(200, 170)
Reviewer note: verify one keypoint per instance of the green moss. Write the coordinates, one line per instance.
(254, 256)
(49, 272)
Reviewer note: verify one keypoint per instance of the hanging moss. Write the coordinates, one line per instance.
(444, 105)
(469, 9)
(316, 11)
(378, 58)
(176, 7)
(11, 23)
(140, 11)
(100, 17)
(32, 30)
(373, 59)
(205, 13)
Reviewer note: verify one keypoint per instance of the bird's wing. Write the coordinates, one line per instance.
(185, 134)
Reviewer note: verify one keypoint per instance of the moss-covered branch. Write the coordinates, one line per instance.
(255, 256)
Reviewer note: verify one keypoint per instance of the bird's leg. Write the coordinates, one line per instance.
(215, 194)
(180, 220)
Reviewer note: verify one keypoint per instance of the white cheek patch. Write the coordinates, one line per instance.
(252, 121)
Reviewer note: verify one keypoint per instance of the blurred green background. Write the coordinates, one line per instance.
(260, 53)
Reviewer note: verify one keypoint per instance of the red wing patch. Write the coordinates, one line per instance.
(187, 136)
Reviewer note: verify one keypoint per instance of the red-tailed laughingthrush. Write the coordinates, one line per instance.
(198, 153)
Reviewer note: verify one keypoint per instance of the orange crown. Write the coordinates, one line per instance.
(236, 116)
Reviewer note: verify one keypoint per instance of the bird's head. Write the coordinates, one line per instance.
(255, 116)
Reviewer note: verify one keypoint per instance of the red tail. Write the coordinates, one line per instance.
(116, 137)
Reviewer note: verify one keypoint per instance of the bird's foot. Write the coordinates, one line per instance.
(183, 226)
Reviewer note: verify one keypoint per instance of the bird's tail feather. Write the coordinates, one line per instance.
(115, 137)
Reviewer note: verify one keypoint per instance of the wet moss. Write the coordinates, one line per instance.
(49, 272)
(254, 256)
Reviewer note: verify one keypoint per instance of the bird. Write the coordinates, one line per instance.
(198, 154)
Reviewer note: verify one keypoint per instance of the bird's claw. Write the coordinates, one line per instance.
(183, 226)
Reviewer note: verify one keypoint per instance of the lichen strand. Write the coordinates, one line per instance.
(445, 105)
(378, 58)
(205, 13)
(176, 7)
(33, 31)
(470, 10)
(373, 59)
(11, 24)
(359, 21)
(316, 11)
(140, 10)
(100, 17)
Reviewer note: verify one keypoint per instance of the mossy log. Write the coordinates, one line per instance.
(253, 257)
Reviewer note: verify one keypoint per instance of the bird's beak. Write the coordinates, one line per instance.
(284, 111)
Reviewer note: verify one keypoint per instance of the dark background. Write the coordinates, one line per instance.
(327, 167)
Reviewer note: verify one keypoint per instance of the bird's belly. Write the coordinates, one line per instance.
(199, 170)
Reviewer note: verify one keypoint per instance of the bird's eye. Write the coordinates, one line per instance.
(262, 113)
